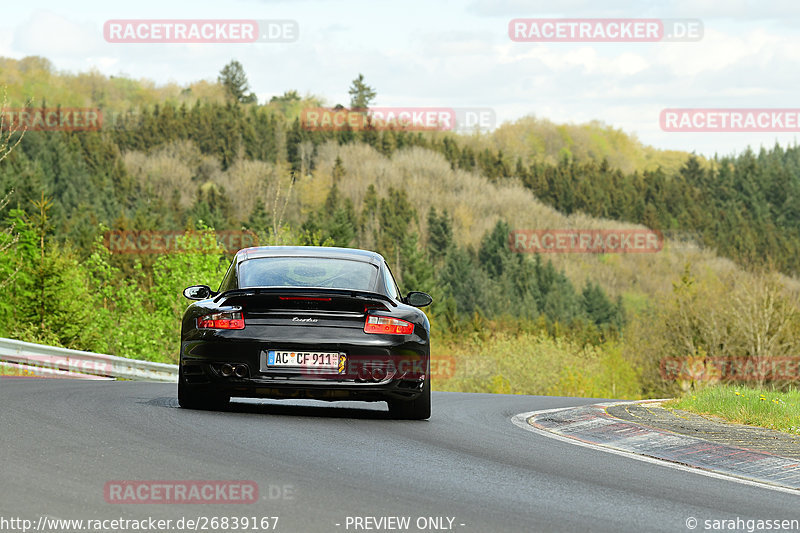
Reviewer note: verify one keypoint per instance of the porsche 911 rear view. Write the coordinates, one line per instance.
(306, 322)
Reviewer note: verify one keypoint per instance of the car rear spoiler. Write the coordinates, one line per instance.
(307, 292)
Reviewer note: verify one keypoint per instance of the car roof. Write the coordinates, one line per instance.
(353, 254)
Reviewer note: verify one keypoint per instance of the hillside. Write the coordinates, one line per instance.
(538, 140)
(34, 79)
(439, 206)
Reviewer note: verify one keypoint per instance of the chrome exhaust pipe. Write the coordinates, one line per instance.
(364, 374)
(226, 370)
(241, 371)
(378, 374)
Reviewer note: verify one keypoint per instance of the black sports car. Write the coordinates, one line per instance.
(306, 322)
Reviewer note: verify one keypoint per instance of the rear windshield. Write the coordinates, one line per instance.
(307, 272)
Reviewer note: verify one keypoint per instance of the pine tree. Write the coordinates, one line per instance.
(361, 94)
(494, 252)
(440, 235)
(598, 307)
(414, 271)
(233, 78)
(338, 171)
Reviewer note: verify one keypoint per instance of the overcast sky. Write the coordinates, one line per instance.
(458, 54)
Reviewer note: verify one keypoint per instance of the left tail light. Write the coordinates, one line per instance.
(387, 325)
(228, 320)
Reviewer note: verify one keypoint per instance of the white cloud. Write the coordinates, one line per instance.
(46, 33)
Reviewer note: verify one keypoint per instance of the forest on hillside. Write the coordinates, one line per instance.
(223, 162)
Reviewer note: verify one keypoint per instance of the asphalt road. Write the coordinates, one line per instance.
(316, 464)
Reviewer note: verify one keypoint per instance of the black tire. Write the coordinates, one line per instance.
(416, 409)
(199, 397)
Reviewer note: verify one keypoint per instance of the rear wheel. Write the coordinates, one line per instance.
(416, 409)
(199, 397)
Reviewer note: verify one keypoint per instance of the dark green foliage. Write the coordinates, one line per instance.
(259, 219)
(440, 235)
(598, 307)
(414, 270)
(465, 282)
(212, 206)
(396, 216)
(233, 78)
(334, 223)
(746, 207)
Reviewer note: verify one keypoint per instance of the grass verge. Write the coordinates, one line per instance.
(743, 405)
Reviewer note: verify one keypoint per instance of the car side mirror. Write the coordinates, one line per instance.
(198, 292)
(418, 299)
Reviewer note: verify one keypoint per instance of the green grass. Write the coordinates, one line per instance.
(5, 371)
(743, 405)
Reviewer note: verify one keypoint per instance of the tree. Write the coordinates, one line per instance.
(51, 300)
(361, 94)
(338, 171)
(396, 216)
(259, 219)
(8, 238)
(598, 307)
(440, 235)
(494, 252)
(233, 78)
(212, 206)
(462, 279)
(414, 271)
(335, 222)
(286, 97)
(285, 101)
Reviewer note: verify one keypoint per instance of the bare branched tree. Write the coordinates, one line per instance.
(8, 237)
(8, 130)
(278, 211)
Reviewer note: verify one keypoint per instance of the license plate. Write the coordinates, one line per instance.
(289, 359)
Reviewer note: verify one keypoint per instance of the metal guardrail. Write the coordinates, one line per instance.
(41, 360)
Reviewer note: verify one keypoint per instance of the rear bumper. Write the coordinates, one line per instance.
(404, 369)
(205, 376)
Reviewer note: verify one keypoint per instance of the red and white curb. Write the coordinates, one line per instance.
(592, 427)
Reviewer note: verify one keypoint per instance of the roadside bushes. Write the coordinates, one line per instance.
(711, 317)
(533, 363)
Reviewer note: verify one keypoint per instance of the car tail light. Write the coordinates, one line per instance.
(229, 320)
(384, 324)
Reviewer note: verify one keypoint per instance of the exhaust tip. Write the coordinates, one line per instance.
(378, 374)
(241, 371)
(226, 370)
(364, 373)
